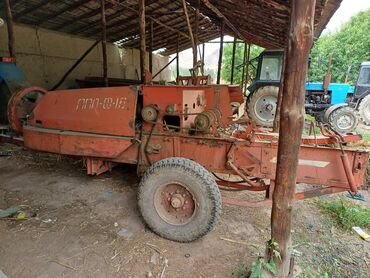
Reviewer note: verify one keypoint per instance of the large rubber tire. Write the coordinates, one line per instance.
(197, 180)
(364, 110)
(261, 105)
(343, 119)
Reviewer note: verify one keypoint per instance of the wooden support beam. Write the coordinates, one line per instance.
(177, 60)
(151, 47)
(224, 18)
(82, 17)
(9, 25)
(196, 33)
(104, 42)
(67, 8)
(219, 68)
(150, 17)
(291, 125)
(244, 63)
(142, 40)
(203, 54)
(247, 58)
(194, 46)
(75, 65)
(233, 62)
(32, 8)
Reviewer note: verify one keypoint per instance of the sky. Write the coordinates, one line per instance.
(347, 9)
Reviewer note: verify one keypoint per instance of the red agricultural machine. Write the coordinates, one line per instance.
(176, 137)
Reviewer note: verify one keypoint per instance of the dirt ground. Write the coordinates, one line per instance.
(90, 227)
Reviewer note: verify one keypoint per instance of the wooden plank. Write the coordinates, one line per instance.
(291, 125)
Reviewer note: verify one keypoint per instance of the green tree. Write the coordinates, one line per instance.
(239, 55)
(350, 45)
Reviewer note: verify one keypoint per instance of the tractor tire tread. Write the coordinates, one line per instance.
(337, 112)
(190, 168)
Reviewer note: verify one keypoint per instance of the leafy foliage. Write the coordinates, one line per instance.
(260, 265)
(239, 56)
(350, 45)
(347, 214)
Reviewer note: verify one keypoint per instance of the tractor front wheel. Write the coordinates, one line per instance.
(261, 105)
(179, 199)
(364, 110)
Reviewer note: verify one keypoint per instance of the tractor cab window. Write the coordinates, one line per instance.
(364, 78)
(270, 68)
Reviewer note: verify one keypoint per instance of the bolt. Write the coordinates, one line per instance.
(186, 202)
(184, 195)
(168, 199)
(177, 191)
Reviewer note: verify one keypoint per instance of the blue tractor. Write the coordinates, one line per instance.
(11, 80)
(325, 101)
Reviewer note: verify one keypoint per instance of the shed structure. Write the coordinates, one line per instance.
(172, 26)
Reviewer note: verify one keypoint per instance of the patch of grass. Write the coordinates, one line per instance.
(347, 214)
(366, 137)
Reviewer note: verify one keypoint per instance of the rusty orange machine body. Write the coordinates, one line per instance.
(144, 124)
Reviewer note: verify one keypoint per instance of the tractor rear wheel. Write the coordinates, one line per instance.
(261, 105)
(343, 120)
(179, 199)
(364, 110)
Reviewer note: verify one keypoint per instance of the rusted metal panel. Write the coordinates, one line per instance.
(98, 110)
(75, 143)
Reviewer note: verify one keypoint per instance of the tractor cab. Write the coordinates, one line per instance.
(363, 82)
(268, 69)
(361, 97)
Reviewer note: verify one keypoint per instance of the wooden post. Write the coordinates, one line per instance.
(194, 46)
(244, 61)
(142, 40)
(276, 125)
(233, 62)
(104, 43)
(247, 58)
(203, 54)
(195, 55)
(291, 124)
(177, 59)
(151, 47)
(221, 52)
(9, 24)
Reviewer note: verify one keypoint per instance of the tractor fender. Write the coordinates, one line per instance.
(331, 109)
